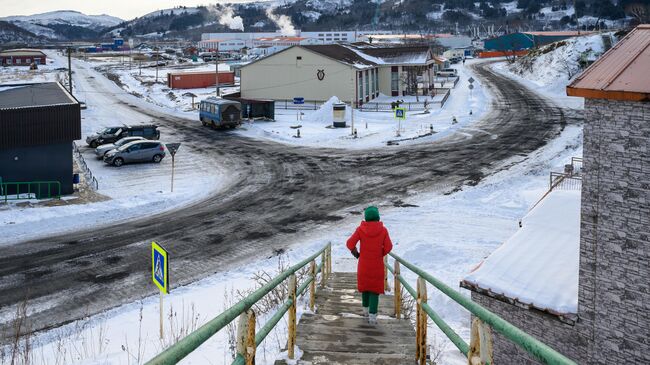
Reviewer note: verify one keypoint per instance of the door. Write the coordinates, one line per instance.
(133, 154)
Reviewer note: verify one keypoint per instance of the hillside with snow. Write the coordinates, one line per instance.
(62, 25)
(550, 68)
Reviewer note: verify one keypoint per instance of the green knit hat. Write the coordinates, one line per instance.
(371, 214)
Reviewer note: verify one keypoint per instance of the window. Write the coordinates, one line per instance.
(367, 84)
(134, 147)
(137, 133)
(149, 145)
(18, 61)
(394, 81)
(360, 86)
(212, 109)
(29, 60)
(377, 81)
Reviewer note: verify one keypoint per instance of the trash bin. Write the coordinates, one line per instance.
(338, 112)
(75, 179)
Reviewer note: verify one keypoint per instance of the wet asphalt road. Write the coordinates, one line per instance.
(279, 191)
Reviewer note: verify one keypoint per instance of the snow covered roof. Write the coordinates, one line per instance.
(538, 266)
(621, 73)
(22, 52)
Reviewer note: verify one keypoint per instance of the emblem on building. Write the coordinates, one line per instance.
(320, 74)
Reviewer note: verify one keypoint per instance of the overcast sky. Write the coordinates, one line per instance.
(125, 9)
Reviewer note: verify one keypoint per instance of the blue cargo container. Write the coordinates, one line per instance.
(220, 113)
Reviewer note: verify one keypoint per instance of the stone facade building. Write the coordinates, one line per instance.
(613, 312)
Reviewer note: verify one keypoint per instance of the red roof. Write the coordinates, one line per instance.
(622, 73)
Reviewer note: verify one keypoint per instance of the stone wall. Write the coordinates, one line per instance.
(547, 328)
(614, 291)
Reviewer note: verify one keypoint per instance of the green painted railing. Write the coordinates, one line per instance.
(531, 345)
(191, 342)
(30, 190)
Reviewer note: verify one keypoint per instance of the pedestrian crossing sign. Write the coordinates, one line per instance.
(400, 113)
(160, 267)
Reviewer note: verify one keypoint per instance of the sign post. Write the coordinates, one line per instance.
(298, 101)
(470, 86)
(173, 148)
(160, 275)
(400, 114)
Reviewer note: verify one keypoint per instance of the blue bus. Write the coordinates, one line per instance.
(220, 113)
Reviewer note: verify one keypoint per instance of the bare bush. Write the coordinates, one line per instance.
(280, 293)
(180, 326)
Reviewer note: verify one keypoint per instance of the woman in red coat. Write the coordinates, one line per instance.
(375, 244)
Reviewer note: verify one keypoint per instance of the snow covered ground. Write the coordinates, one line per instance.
(374, 129)
(551, 68)
(447, 235)
(134, 190)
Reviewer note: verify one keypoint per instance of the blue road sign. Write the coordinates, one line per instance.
(400, 113)
(298, 100)
(160, 267)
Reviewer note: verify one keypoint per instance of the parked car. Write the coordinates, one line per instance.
(447, 72)
(137, 151)
(103, 149)
(114, 134)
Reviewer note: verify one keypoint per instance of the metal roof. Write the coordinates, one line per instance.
(21, 52)
(35, 95)
(622, 73)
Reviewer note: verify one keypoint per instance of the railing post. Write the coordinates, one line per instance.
(421, 347)
(312, 286)
(329, 260)
(480, 346)
(246, 336)
(292, 317)
(398, 291)
(386, 286)
(323, 269)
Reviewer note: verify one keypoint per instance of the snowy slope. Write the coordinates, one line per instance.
(66, 17)
(549, 69)
(188, 10)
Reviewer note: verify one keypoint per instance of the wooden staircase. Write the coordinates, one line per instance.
(339, 334)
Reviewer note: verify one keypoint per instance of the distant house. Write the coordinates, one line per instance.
(527, 40)
(38, 123)
(356, 73)
(22, 57)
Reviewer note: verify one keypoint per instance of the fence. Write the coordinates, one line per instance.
(247, 344)
(30, 190)
(480, 335)
(444, 81)
(370, 106)
(90, 179)
(564, 181)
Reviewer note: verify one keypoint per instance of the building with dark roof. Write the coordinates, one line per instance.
(38, 123)
(357, 73)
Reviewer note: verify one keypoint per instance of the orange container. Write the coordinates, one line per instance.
(490, 54)
(197, 80)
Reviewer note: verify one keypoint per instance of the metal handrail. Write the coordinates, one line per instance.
(191, 342)
(531, 345)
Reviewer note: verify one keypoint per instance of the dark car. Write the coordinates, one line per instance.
(114, 134)
(138, 151)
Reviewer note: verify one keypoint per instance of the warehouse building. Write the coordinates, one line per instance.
(527, 40)
(38, 123)
(352, 72)
(22, 57)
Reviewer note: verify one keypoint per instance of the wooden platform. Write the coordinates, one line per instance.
(339, 334)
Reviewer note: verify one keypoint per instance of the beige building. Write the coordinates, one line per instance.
(356, 73)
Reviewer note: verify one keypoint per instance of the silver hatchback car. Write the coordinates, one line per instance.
(103, 149)
(138, 151)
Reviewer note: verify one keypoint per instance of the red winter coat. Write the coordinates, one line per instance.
(375, 244)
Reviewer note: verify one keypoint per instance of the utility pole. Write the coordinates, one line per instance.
(216, 63)
(70, 69)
